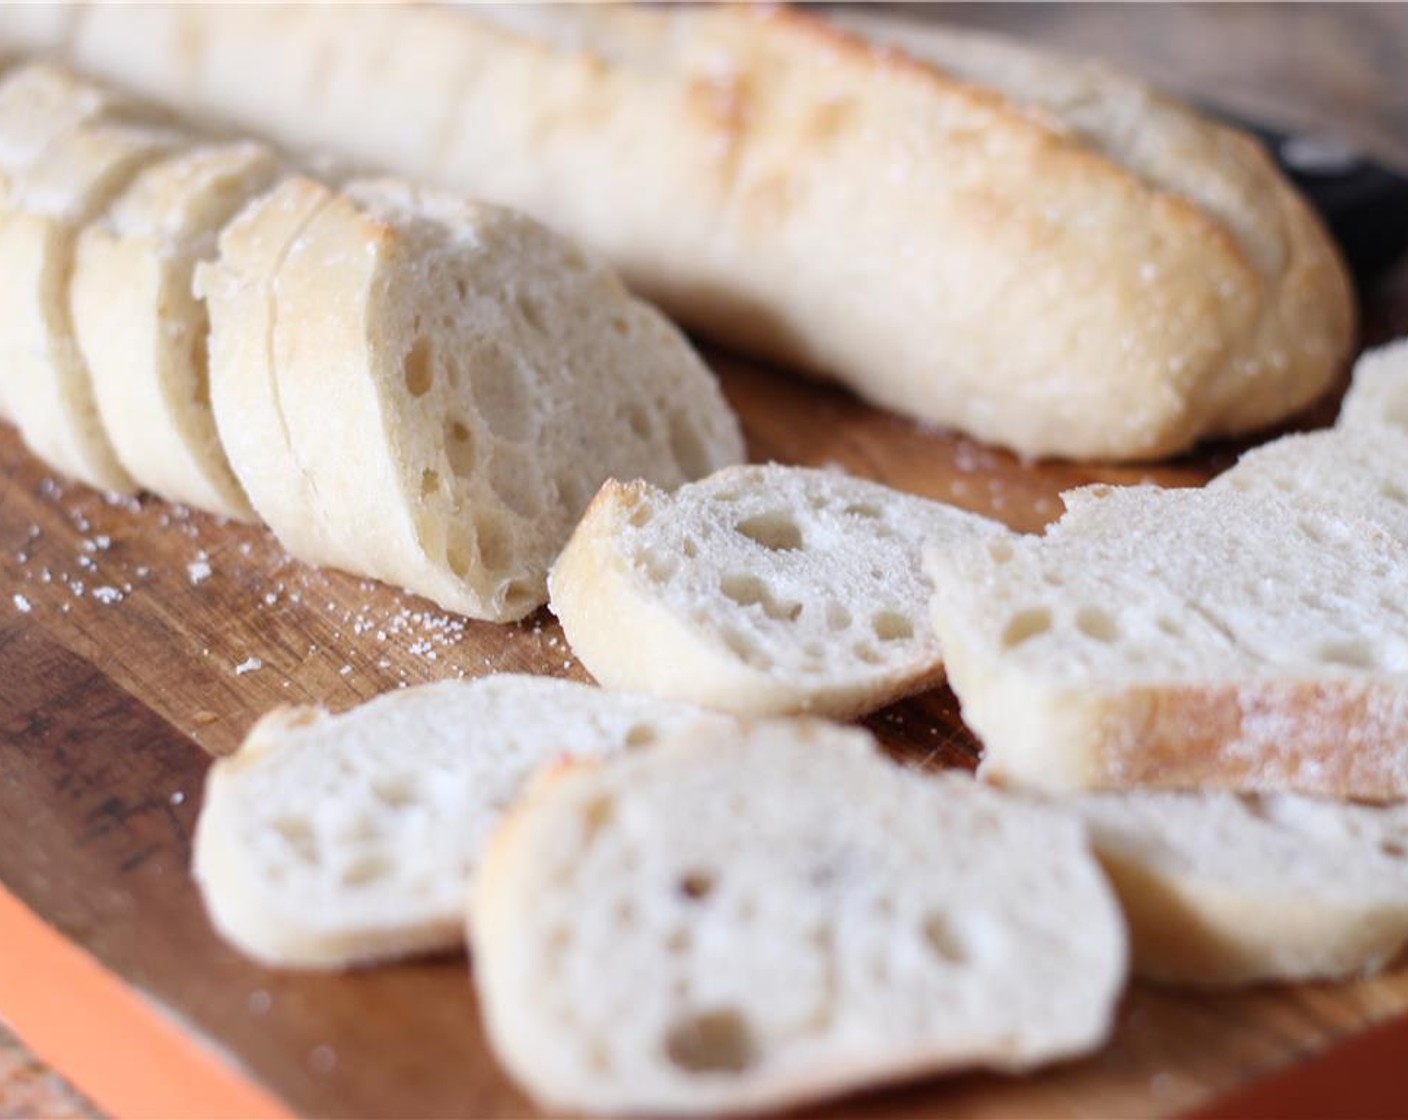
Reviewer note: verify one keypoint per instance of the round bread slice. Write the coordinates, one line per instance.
(1220, 889)
(328, 841)
(237, 288)
(761, 590)
(50, 388)
(488, 377)
(747, 920)
(40, 103)
(144, 333)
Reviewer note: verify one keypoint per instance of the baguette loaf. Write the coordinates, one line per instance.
(1035, 252)
(1183, 639)
(752, 919)
(760, 590)
(488, 378)
(50, 389)
(328, 841)
(142, 330)
(1226, 890)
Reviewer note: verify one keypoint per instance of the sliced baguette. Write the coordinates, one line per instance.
(1220, 889)
(957, 241)
(1182, 639)
(748, 920)
(143, 332)
(50, 389)
(760, 590)
(488, 378)
(1378, 396)
(333, 840)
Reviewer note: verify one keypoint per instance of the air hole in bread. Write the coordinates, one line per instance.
(1311, 600)
(461, 289)
(495, 543)
(891, 626)
(689, 548)
(1096, 624)
(640, 422)
(865, 652)
(366, 870)
(1310, 532)
(595, 816)
(460, 558)
(417, 368)
(943, 940)
(837, 617)
(1025, 625)
(429, 483)
(865, 509)
(749, 590)
(361, 829)
(518, 593)
(501, 396)
(688, 449)
(297, 833)
(620, 325)
(678, 942)
(598, 1057)
(718, 1041)
(459, 448)
(775, 531)
(743, 647)
(1001, 551)
(660, 568)
(1169, 626)
(641, 735)
(1394, 493)
(531, 312)
(696, 885)
(640, 516)
(396, 790)
(1351, 652)
(1393, 849)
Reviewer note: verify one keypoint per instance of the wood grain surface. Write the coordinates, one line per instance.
(137, 640)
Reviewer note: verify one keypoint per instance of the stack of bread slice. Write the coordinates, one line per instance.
(399, 382)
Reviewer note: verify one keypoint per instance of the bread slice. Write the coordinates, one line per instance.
(1378, 396)
(739, 921)
(789, 188)
(50, 389)
(488, 378)
(39, 103)
(334, 840)
(1359, 471)
(237, 287)
(760, 590)
(144, 333)
(1182, 639)
(1220, 889)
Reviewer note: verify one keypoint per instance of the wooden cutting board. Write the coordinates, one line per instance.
(137, 640)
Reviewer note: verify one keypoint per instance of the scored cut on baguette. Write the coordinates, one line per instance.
(1378, 395)
(760, 590)
(143, 331)
(488, 378)
(328, 841)
(1220, 889)
(49, 385)
(1182, 639)
(740, 920)
(798, 192)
